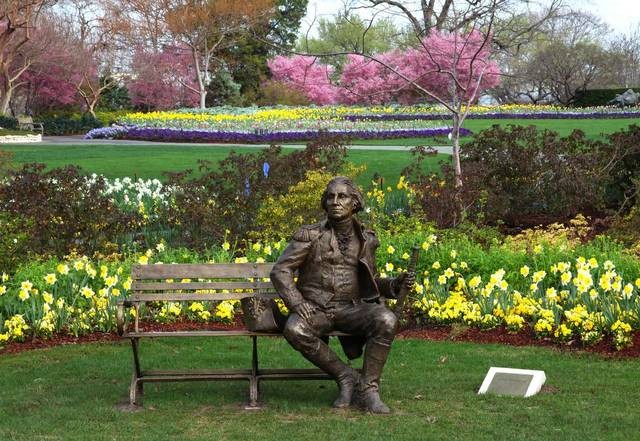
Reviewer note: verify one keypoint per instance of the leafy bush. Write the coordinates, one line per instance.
(13, 241)
(115, 98)
(622, 161)
(228, 199)
(275, 92)
(109, 117)
(517, 176)
(525, 177)
(280, 216)
(69, 125)
(597, 97)
(8, 122)
(62, 212)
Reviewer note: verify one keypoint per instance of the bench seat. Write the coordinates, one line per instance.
(213, 283)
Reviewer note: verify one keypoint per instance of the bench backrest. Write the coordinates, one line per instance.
(200, 282)
(25, 119)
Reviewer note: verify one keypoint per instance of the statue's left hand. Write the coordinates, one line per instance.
(406, 280)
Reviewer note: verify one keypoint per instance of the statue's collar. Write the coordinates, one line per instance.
(357, 226)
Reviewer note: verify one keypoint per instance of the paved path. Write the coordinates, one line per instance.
(78, 140)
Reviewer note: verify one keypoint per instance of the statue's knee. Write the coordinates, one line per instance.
(297, 334)
(387, 323)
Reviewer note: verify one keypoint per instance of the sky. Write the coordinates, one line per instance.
(621, 15)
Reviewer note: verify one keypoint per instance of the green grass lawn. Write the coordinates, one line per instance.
(149, 161)
(593, 129)
(73, 392)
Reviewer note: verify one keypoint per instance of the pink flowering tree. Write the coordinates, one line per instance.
(47, 85)
(306, 75)
(163, 80)
(50, 81)
(450, 69)
(365, 81)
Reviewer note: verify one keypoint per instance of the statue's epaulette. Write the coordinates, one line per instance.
(370, 235)
(368, 231)
(307, 233)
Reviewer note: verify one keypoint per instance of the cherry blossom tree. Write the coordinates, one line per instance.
(448, 68)
(306, 75)
(163, 80)
(50, 82)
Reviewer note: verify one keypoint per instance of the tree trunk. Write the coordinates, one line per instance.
(457, 169)
(5, 101)
(4, 104)
(203, 97)
(91, 108)
(455, 142)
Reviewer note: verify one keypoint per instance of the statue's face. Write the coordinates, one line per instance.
(339, 202)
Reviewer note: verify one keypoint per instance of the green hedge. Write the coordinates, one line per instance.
(598, 97)
(69, 125)
(7, 122)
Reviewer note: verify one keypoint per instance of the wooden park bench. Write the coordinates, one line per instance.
(25, 122)
(213, 283)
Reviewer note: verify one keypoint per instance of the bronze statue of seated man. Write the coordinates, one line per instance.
(338, 290)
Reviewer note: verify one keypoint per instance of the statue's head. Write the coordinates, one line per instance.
(341, 198)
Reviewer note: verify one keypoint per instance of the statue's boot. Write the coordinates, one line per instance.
(346, 377)
(375, 356)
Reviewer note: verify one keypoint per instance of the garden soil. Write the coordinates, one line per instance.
(440, 333)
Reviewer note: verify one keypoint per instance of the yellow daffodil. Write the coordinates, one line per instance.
(62, 269)
(50, 278)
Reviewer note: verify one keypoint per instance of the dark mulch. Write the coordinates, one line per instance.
(438, 333)
(524, 338)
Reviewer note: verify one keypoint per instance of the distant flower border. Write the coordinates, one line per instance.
(179, 135)
(495, 115)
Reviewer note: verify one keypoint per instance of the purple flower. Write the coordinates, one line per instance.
(206, 136)
(106, 132)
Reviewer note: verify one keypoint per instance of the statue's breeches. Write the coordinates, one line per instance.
(370, 320)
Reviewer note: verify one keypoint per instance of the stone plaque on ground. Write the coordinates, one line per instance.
(512, 382)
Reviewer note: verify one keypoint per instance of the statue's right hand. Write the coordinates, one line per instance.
(305, 309)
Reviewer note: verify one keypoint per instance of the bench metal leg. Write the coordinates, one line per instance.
(254, 380)
(136, 390)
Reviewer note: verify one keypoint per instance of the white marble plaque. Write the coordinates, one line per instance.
(513, 382)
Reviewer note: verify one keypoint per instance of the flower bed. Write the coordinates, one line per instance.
(179, 135)
(287, 124)
(560, 294)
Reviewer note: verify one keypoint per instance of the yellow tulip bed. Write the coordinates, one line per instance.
(550, 281)
(578, 297)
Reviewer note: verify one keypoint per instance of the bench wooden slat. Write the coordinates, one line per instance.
(194, 296)
(231, 332)
(239, 332)
(167, 286)
(201, 271)
(234, 374)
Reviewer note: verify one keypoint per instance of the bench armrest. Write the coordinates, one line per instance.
(121, 316)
